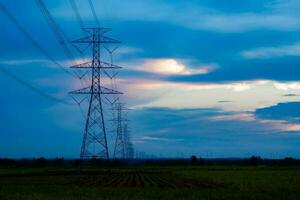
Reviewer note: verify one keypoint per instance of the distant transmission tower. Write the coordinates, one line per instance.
(129, 150)
(120, 148)
(95, 144)
(123, 146)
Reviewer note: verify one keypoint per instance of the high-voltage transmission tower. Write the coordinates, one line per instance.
(95, 144)
(123, 146)
(119, 150)
(129, 150)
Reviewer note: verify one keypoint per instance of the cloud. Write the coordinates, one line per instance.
(155, 139)
(290, 95)
(282, 111)
(279, 69)
(224, 101)
(172, 66)
(236, 87)
(287, 85)
(25, 62)
(195, 15)
(285, 116)
(247, 22)
(126, 50)
(271, 52)
(247, 117)
(169, 41)
(286, 6)
(158, 91)
(198, 131)
(163, 66)
(172, 94)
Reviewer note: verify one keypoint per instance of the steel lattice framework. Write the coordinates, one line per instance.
(94, 144)
(120, 140)
(129, 150)
(123, 146)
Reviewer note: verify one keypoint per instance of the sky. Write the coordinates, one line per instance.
(210, 78)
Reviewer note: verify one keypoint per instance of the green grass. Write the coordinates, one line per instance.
(133, 183)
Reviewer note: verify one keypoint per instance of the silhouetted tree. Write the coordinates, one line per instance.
(194, 159)
(58, 161)
(288, 161)
(255, 160)
(40, 162)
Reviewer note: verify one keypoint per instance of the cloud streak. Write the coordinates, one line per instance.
(197, 16)
(272, 52)
(211, 130)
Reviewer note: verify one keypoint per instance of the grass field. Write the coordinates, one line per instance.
(182, 182)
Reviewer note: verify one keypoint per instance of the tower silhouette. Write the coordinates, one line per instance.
(129, 150)
(123, 146)
(119, 150)
(94, 144)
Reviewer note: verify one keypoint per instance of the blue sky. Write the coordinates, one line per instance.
(211, 78)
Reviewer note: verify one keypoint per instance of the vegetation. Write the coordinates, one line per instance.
(169, 179)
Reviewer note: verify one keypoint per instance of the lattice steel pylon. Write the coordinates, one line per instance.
(123, 146)
(95, 144)
(129, 150)
(120, 149)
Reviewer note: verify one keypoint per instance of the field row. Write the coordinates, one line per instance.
(141, 179)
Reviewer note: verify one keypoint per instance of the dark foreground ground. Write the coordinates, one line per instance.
(150, 182)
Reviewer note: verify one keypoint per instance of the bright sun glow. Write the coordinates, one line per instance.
(164, 66)
(171, 67)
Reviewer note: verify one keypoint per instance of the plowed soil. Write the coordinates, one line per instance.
(141, 180)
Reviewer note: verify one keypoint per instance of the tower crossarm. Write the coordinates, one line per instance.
(102, 39)
(89, 90)
(103, 65)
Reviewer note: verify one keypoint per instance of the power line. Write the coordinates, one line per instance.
(30, 38)
(55, 28)
(94, 12)
(60, 35)
(77, 14)
(31, 87)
